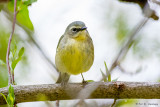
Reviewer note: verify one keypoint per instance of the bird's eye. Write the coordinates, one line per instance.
(74, 30)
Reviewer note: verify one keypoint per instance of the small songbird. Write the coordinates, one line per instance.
(75, 52)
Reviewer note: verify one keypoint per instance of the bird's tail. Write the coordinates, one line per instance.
(63, 78)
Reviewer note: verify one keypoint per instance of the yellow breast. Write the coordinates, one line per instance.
(76, 57)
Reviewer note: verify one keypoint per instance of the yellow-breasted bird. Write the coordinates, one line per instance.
(75, 52)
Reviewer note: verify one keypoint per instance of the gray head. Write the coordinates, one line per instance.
(74, 28)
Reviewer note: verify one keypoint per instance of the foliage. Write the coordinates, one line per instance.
(24, 20)
(23, 13)
(107, 76)
(3, 49)
(121, 28)
(10, 100)
(16, 57)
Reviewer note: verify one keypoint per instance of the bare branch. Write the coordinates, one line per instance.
(126, 72)
(156, 1)
(143, 4)
(114, 102)
(125, 47)
(115, 90)
(10, 76)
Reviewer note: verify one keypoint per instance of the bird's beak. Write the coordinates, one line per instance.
(83, 28)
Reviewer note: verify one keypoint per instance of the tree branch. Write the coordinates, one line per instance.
(143, 4)
(52, 92)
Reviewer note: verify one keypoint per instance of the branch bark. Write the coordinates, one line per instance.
(52, 92)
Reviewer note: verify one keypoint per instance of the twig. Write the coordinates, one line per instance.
(114, 102)
(156, 1)
(81, 103)
(57, 103)
(10, 76)
(125, 48)
(127, 72)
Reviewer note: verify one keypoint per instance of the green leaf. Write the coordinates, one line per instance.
(11, 90)
(13, 52)
(1, 6)
(115, 80)
(2, 62)
(11, 96)
(14, 62)
(121, 26)
(104, 76)
(23, 17)
(4, 97)
(14, 48)
(29, 2)
(90, 80)
(23, 13)
(11, 5)
(21, 52)
(107, 72)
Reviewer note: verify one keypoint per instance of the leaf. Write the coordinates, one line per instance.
(11, 90)
(29, 2)
(104, 76)
(13, 52)
(4, 97)
(11, 5)
(115, 80)
(11, 96)
(23, 17)
(1, 6)
(121, 27)
(23, 13)
(14, 62)
(90, 80)
(2, 62)
(21, 52)
(14, 48)
(107, 72)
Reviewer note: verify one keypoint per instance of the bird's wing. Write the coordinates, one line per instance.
(60, 41)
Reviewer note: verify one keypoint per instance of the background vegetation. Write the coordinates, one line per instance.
(110, 23)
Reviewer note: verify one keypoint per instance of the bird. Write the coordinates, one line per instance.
(74, 53)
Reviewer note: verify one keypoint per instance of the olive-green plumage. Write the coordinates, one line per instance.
(75, 51)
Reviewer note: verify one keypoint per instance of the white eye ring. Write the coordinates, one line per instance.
(74, 30)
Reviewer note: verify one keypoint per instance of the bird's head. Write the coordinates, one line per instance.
(77, 30)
